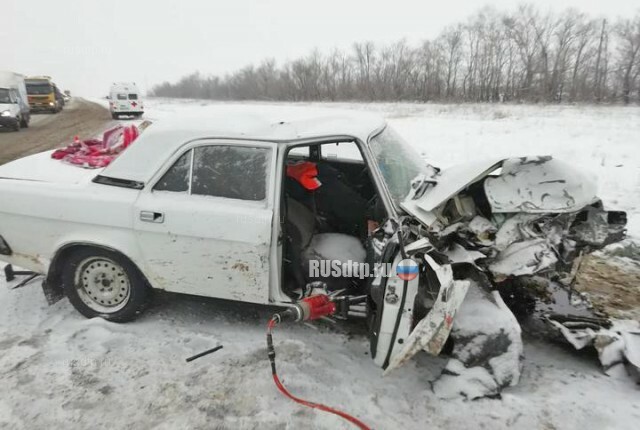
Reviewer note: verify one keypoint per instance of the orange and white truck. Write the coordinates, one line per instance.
(44, 94)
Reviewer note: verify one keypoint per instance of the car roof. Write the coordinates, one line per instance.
(164, 138)
(124, 86)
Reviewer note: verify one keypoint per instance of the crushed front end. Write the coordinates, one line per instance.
(497, 244)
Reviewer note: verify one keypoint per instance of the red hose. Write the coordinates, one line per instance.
(307, 403)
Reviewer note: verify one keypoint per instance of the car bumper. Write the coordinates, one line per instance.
(42, 106)
(8, 121)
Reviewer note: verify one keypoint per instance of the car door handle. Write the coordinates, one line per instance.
(149, 216)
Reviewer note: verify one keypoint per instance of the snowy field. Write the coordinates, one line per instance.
(59, 370)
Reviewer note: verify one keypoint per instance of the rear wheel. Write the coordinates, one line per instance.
(101, 283)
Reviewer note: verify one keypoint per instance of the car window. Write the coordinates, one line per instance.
(347, 151)
(133, 97)
(122, 96)
(234, 172)
(5, 95)
(300, 151)
(177, 177)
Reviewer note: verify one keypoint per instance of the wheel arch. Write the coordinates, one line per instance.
(54, 274)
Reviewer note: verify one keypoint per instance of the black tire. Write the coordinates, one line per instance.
(16, 127)
(88, 269)
(25, 122)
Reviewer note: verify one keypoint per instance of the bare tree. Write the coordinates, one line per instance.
(629, 33)
(494, 56)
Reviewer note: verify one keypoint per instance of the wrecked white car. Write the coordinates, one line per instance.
(239, 207)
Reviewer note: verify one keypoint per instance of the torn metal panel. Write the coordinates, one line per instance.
(458, 254)
(617, 345)
(513, 230)
(451, 181)
(594, 230)
(524, 258)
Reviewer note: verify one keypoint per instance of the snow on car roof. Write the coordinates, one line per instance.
(163, 138)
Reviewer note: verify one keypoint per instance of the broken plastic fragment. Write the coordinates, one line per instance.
(432, 331)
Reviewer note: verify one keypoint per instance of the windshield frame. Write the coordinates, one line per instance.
(421, 166)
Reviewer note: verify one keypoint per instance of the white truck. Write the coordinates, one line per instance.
(14, 104)
(125, 99)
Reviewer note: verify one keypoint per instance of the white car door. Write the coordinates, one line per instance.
(204, 224)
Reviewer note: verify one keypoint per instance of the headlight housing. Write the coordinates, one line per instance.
(5, 113)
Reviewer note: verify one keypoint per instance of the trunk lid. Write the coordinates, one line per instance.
(42, 168)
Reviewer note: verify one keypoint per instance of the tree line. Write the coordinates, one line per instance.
(522, 55)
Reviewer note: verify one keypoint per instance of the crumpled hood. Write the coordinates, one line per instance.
(527, 184)
(539, 185)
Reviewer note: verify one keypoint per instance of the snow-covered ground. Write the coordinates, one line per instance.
(60, 370)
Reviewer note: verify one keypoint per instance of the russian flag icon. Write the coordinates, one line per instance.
(407, 269)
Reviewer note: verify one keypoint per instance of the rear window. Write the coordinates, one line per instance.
(133, 97)
(122, 96)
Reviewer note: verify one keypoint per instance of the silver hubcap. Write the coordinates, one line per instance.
(102, 284)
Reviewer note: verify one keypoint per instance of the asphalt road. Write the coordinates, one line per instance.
(47, 131)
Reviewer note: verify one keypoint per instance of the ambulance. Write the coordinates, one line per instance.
(125, 99)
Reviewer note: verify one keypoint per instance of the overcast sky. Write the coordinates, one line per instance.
(87, 44)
